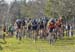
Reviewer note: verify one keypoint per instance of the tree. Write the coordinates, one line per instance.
(33, 8)
(3, 11)
(60, 8)
(30, 9)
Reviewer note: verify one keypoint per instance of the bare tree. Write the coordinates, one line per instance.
(3, 11)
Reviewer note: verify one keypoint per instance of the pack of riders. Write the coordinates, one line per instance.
(38, 26)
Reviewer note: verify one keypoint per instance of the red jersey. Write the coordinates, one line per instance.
(51, 25)
(58, 24)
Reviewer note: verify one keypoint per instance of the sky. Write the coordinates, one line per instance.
(9, 1)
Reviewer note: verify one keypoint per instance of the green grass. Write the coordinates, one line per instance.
(27, 45)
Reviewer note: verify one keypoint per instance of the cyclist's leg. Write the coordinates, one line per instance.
(20, 34)
(50, 36)
(17, 33)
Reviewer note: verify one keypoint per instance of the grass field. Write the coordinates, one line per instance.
(27, 45)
